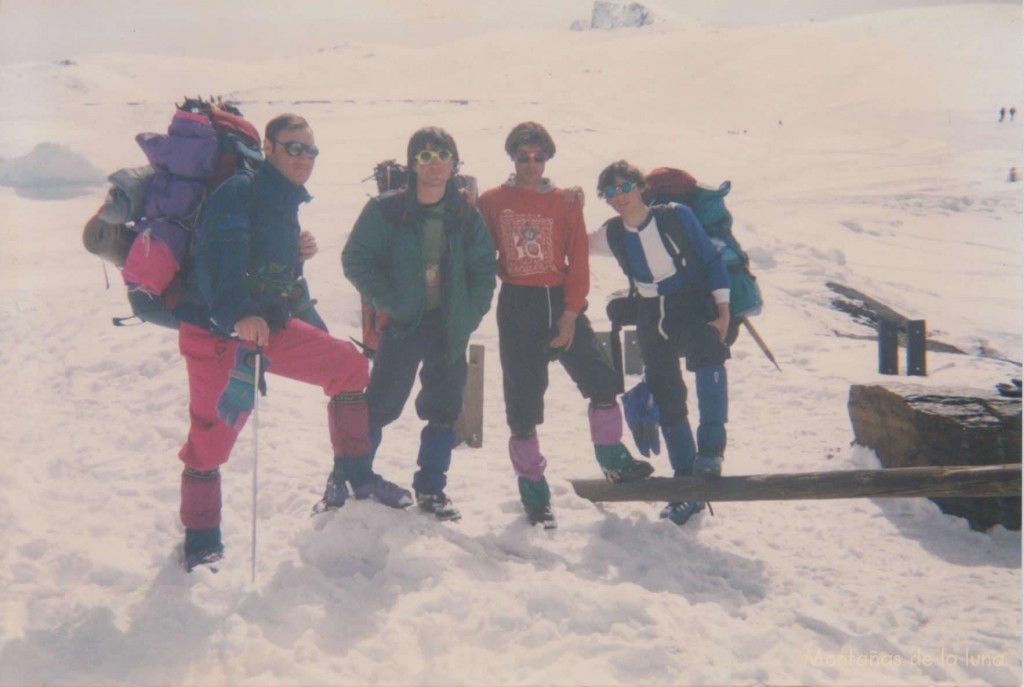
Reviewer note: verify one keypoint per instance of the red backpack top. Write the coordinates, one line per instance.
(668, 181)
(239, 143)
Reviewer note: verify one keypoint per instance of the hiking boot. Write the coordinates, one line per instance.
(708, 466)
(383, 491)
(536, 498)
(542, 516)
(535, 494)
(438, 505)
(335, 495)
(680, 512)
(202, 547)
(633, 471)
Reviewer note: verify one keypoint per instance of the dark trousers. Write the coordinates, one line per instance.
(668, 328)
(442, 383)
(526, 323)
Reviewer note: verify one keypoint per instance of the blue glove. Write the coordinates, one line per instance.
(238, 396)
(642, 416)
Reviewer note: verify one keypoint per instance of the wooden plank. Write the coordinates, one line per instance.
(470, 426)
(968, 481)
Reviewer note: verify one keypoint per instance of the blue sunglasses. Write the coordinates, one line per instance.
(612, 191)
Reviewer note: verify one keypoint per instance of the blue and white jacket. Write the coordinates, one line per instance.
(669, 253)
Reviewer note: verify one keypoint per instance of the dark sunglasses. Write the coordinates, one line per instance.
(539, 157)
(425, 157)
(611, 191)
(295, 149)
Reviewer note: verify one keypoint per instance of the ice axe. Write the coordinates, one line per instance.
(760, 342)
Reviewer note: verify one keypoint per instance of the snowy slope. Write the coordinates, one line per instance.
(863, 150)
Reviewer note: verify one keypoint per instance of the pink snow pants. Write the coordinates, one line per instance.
(300, 351)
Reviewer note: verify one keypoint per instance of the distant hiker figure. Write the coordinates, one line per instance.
(248, 268)
(423, 257)
(1013, 176)
(1002, 113)
(682, 293)
(544, 265)
(1013, 111)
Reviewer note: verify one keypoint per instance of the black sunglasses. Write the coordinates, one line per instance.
(295, 149)
(539, 157)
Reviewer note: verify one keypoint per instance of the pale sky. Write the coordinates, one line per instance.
(62, 29)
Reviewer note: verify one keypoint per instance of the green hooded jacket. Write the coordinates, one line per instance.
(383, 258)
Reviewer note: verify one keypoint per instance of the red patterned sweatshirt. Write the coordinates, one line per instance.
(541, 239)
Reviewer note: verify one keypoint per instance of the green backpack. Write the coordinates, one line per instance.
(668, 185)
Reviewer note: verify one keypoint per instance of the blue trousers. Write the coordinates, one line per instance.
(394, 370)
(675, 326)
(439, 402)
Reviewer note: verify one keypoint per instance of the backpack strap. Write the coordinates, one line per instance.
(682, 251)
(393, 205)
(614, 232)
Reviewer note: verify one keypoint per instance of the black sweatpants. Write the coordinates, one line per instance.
(527, 316)
(668, 328)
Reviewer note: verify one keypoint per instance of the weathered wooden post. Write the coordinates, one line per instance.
(611, 346)
(633, 361)
(469, 428)
(916, 348)
(888, 348)
(623, 353)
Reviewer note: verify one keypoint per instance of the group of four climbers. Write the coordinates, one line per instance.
(426, 257)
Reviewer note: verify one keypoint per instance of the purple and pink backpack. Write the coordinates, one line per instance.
(145, 225)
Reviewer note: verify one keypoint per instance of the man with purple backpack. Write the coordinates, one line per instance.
(252, 313)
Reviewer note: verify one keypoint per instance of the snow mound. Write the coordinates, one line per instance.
(50, 171)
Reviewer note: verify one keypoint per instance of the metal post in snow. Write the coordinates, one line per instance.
(257, 369)
(916, 336)
(888, 348)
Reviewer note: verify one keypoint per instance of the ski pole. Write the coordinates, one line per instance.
(257, 365)
(760, 342)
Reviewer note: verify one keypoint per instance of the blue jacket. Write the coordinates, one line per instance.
(702, 269)
(245, 254)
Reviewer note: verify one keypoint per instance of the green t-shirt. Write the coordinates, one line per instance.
(433, 252)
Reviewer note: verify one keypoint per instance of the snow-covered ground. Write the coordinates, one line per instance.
(864, 150)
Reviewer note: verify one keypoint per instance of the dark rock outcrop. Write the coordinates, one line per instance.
(609, 15)
(907, 426)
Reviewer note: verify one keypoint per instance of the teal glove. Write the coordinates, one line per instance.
(239, 394)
